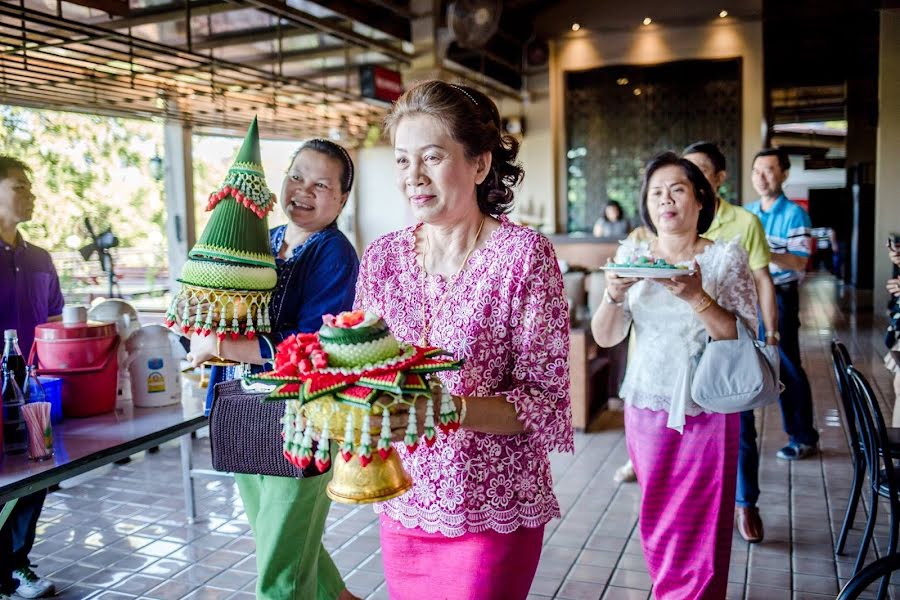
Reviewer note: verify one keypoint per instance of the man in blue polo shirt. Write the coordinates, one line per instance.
(29, 295)
(787, 229)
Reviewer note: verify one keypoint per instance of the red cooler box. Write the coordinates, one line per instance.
(84, 356)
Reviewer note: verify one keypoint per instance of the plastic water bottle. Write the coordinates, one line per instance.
(15, 432)
(33, 390)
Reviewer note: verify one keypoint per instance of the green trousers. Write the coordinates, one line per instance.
(288, 519)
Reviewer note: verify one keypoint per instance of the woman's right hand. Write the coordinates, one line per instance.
(617, 287)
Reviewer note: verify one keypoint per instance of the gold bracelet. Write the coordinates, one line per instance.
(704, 303)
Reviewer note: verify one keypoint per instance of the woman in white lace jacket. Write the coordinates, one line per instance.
(685, 458)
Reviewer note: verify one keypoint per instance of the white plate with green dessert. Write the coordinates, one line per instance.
(648, 268)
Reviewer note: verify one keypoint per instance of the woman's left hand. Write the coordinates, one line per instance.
(893, 286)
(399, 418)
(686, 287)
(203, 348)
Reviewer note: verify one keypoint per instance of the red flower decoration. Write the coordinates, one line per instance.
(299, 354)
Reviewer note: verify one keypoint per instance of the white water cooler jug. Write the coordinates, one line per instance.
(127, 322)
(153, 368)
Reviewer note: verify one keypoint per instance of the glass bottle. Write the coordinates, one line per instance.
(33, 390)
(15, 432)
(12, 357)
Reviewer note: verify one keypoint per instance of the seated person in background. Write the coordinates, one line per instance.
(613, 223)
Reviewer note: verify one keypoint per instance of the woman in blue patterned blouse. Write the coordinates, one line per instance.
(317, 268)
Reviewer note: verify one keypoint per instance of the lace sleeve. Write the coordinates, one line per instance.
(360, 301)
(736, 287)
(539, 321)
(628, 251)
(373, 270)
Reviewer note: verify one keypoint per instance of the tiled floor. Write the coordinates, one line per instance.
(123, 535)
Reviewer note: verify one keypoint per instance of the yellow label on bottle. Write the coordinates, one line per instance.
(156, 382)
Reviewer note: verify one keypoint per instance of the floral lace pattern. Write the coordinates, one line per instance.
(669, 334)
(507, 316)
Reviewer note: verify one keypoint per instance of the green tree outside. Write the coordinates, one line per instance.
(87, 166)
(99, 167)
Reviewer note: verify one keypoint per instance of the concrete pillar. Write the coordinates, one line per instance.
(179, 186)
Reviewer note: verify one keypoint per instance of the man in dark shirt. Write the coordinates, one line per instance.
(29, 295)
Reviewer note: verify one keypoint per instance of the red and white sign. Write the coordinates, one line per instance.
(380, 83)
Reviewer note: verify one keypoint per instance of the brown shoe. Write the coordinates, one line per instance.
(748, 523)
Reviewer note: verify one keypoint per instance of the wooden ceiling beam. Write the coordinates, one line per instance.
(293, 15)
(252, 36)
(374, 15)
(164, 13)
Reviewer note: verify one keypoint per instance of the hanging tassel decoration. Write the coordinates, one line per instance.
(250, 331)
(235, 325)
(365, 443)
(171, 313)
(411, 438)
(220, 331)
(207, 325)
(287, 435)
(323, 452)
(347, 446)
(306, 453)
(198, 317)
(384, 440)
(186, 316)
(449, 420)
(296, 447)
(430, 433)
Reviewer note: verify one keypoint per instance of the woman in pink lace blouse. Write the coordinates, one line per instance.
(490, 292)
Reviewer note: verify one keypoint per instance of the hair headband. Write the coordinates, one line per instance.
(468, 95)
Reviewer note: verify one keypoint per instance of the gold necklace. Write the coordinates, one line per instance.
(426, 326)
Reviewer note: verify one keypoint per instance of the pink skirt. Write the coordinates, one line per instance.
(473, 566)
(687, 500)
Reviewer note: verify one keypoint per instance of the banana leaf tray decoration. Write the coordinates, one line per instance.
(334, 380)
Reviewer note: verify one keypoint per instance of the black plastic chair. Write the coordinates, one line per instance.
(881, 568)
(840, 360)
(883, 475)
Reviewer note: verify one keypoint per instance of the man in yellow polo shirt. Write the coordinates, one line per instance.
(729, 223)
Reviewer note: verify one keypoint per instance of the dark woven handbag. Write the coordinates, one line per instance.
(245, 434)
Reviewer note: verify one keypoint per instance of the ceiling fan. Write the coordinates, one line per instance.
(473, 22)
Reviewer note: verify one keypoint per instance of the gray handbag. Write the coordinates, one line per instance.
(736, 375)
(245, 434)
